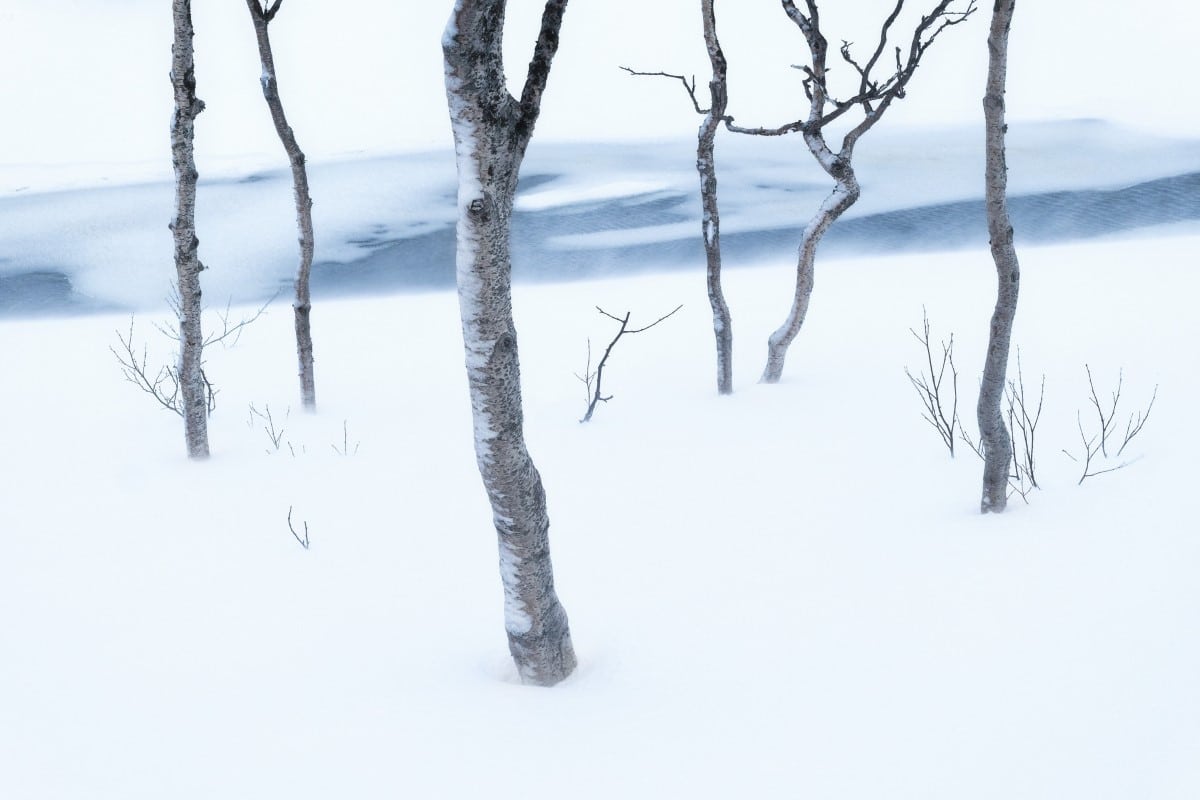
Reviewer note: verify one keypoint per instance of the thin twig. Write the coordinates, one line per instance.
(596, 397)
(304, 542)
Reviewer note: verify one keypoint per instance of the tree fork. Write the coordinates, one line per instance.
(872, 98)
(492, 130)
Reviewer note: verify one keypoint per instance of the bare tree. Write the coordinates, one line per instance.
(492, 130)
(1094, 450)
(706, 165)
(871, 99)
(261, 14)
(994, 436)
(929, 386)
(192, 385)
(593, 378)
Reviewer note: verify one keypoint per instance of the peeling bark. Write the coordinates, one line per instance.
(192, 385)
(492, 130)
(994, 435)
(302, 304)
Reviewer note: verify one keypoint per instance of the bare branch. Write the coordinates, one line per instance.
(689, 86)
(1134, 427)
(929, 387)
(792, 127)
(234, 331)
(345, 450)
(596, 396)
(273, 431)
(163, 386)
(304, 542)
(652, 324)
(1096, 445)
(539, 65)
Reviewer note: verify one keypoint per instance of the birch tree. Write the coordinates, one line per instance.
(710, 224)
(192, 385)
(492, 130)
(706, 166)
(261, 14)
(872, 96)
(995, 440)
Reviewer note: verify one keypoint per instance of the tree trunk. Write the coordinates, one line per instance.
(192, 385)
(302, 305)
(844, 195)
(706, 165)
(874, 97)
(491, 132)
(994, 435)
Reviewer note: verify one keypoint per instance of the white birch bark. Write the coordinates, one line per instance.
(491, 132)
(302, 304)
(873, 98)
(706, 165)
(844, 195)
(994, 435)
(192, 386)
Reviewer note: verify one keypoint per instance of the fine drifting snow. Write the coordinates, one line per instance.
(584, 210)
(784, 593)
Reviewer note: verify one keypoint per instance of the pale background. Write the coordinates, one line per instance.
(86, 80)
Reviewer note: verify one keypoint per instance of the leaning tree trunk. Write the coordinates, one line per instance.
(491, 132)
(302, 305)
(875, 95)
(193, 388)
(993, 434)
(844, 195)
(706, 165)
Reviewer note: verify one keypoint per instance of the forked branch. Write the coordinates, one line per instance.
(689, 85)
(874, 93)
(592, 378)
(930, 386)
(1094, 443)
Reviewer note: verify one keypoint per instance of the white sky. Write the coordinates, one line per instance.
(86, 80)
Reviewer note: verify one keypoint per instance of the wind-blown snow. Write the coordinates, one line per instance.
(593, 196)
(572, 195)
(788, 592)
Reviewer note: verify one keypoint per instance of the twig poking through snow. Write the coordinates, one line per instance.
(303, 541)
(929, 387)
(591, 378)
(1097, 444)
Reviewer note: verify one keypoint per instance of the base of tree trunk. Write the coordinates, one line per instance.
(548, 658)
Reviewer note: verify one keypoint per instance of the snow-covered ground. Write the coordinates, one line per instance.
(784, 593)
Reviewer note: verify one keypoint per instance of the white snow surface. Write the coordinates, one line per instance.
(784, 593)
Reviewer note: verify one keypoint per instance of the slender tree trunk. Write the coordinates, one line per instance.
(192, 385)
(875, 95)
(302, 305)
(994, 435)
(491, 132)
(706, 165)
(844, 195)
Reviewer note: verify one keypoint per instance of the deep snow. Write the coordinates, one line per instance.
(784, 593)
(788, 592)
